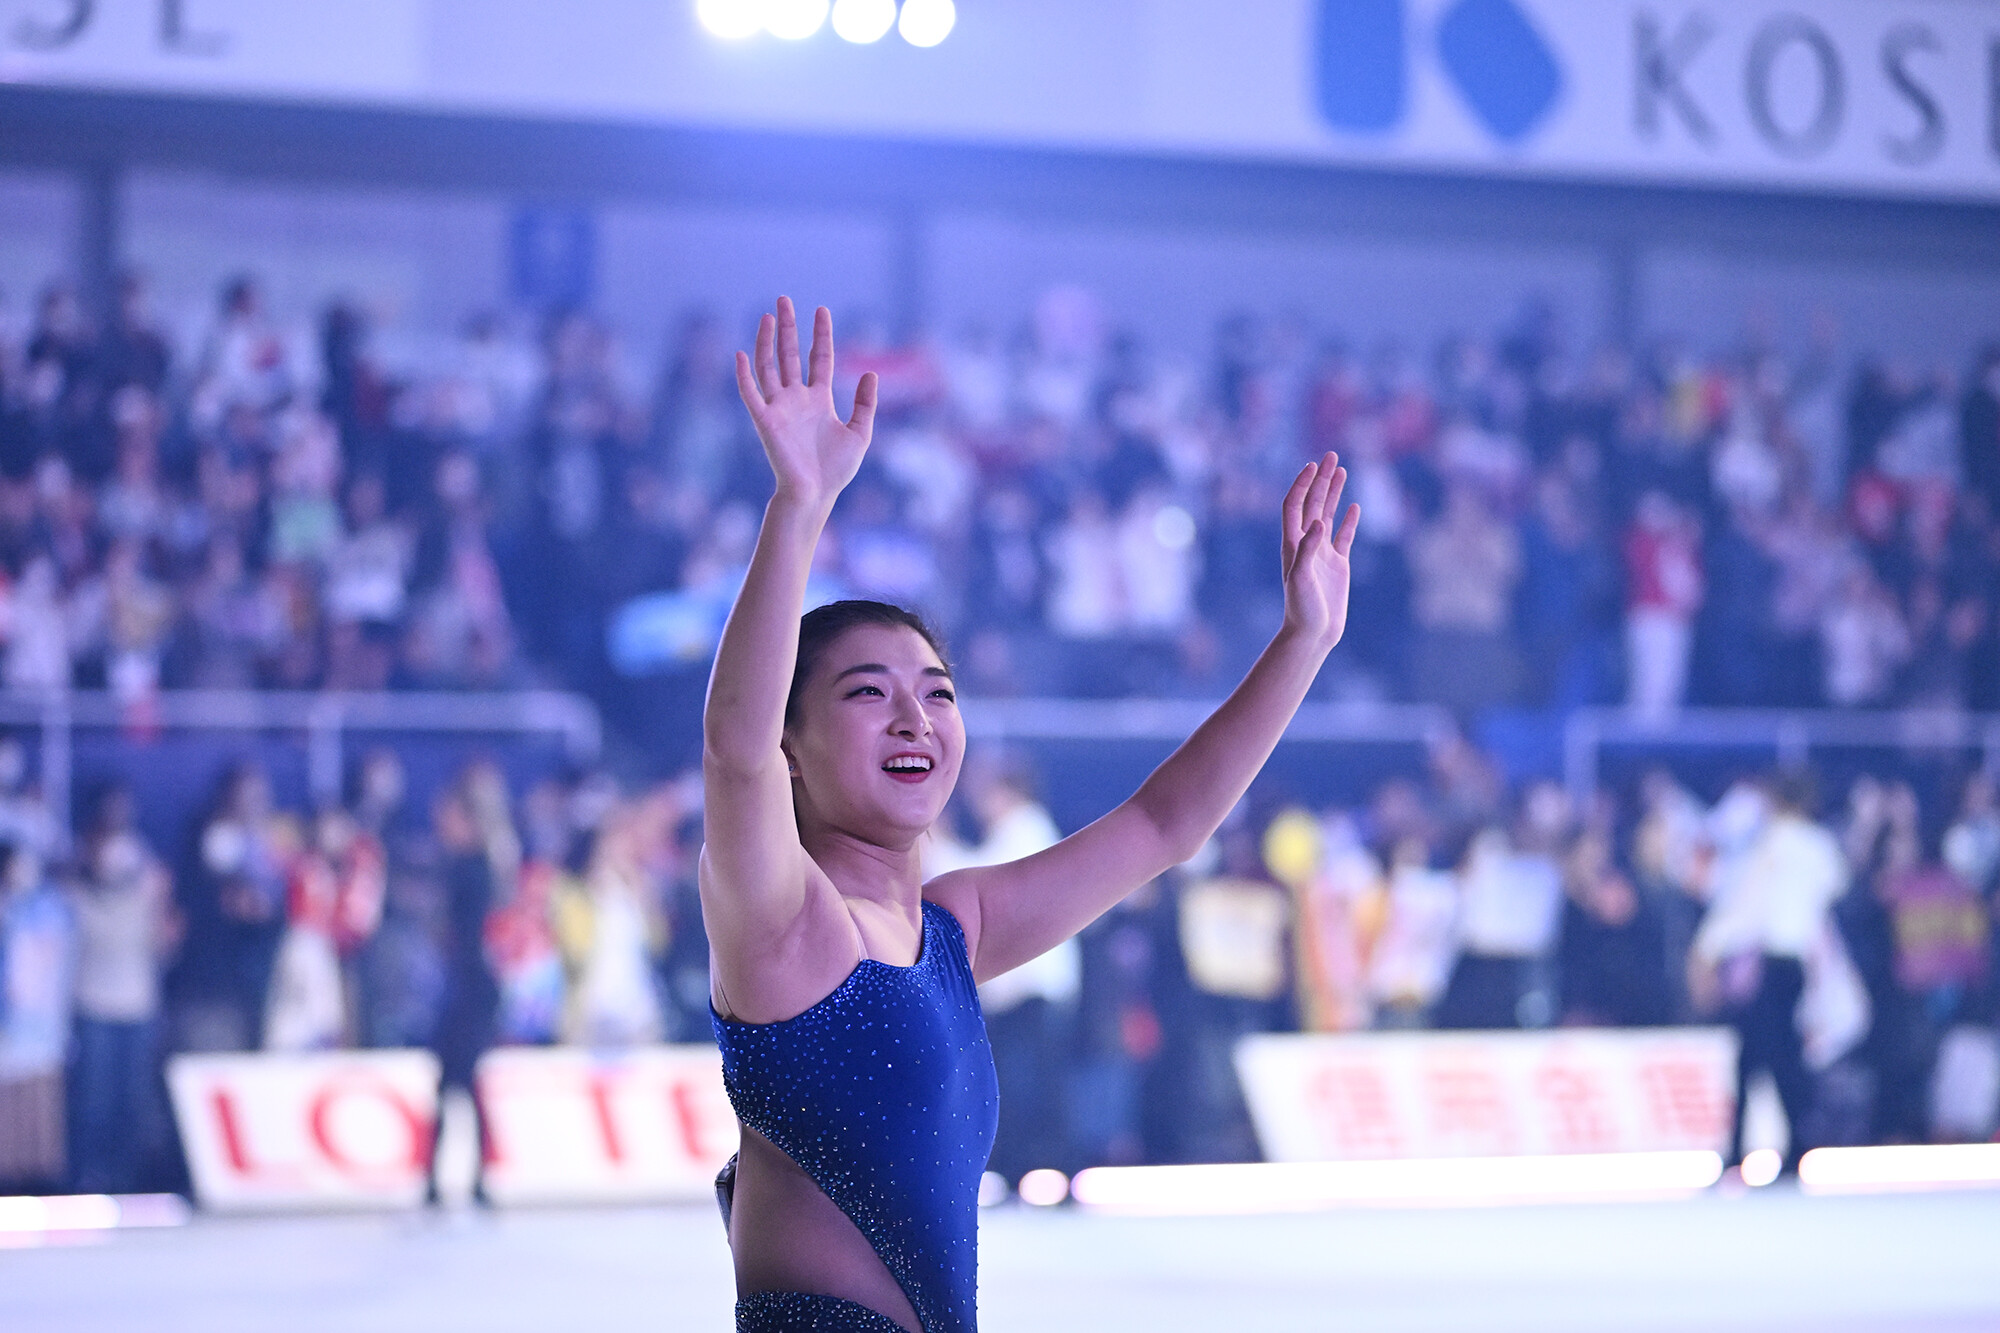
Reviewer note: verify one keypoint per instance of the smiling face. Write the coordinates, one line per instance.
(876, 741)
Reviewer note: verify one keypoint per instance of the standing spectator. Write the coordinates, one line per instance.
(1939, 927)
(1413, 956)
(37, 631)
(400, 970)
(466, 1023)
(1464, 566)
(1614, 949)
(1569, 601)
(246, 851)
(1337, 905)
(1235, 937)
(1863, 641)
(134, 353)
(520, 934)
(25, 820)
(244, 364)
(1749, 957)
(611, 923)
(1664, 590)
(1028, 1010)
(126, 930)
(1979, 430)
(37, 945)
(1086, 604)
(1508, 922)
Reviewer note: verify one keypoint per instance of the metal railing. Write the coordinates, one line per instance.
(325, 720)
(1173, 719)
(1790, 734)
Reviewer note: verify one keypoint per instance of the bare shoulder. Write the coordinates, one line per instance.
(957, 891)
(769, 970)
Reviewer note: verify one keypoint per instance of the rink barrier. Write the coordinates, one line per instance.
(28, 1220)
(352, 1129)
(1791, 735)
(325, 719)
(1320, 1097)
(1901, 1167)
(1285, 1187)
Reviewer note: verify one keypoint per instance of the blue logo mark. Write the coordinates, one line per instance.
(1361, 82)
(1489, 50)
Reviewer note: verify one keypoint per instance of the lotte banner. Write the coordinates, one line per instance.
(352, 1129)
(1488, 1094)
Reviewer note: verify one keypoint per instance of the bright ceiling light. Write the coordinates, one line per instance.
(731, 20)
(926, 22)
(863, 21)
(793, 20)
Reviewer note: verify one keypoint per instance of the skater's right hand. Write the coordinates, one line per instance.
(813, 453)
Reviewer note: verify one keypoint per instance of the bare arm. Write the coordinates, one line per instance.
(753, 871)
(1028, 906)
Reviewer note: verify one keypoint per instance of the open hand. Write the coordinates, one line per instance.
(813, 453)
(1317, 575)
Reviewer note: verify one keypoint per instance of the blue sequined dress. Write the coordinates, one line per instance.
(884, 1094)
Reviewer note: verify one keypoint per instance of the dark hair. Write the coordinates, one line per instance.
(823, 624)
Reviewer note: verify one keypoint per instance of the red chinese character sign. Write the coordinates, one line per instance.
(1488, 1094)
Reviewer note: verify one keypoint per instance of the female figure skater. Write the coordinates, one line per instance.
(852, 1044)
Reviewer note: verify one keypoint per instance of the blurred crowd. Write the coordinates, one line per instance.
(565, 912)
(1853, 949)
(1083, 514)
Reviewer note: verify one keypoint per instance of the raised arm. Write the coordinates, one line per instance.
(1028, 906)
(753, 871)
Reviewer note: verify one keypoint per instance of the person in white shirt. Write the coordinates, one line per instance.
(1750, 954)
(1028, 1010)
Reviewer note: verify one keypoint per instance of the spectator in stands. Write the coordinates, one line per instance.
(400, 970)
(246, 851)
(244, 364)
(25, 820)
(1464, 566)
(1939, 927)
(1863, 640)
(37, 956)
(611, 924)
(1665, 588)
(1614, 949)
(1029, 1011)
(1509, 916)
(1568, 608)
(1234, 930)
(134, 353)
(127, 930)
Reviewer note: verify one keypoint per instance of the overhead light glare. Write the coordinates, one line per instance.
(794, 20)
(863, 21)
(926, 22)
(731, 20)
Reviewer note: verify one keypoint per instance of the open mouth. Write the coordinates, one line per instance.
(908, 767)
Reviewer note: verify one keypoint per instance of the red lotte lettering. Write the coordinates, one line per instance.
(353, 1129)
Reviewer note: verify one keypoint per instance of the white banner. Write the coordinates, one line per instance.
(352, 1129)
(340, 1130)
(1489, 1094)
(573, 1126)
(1879, 96)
